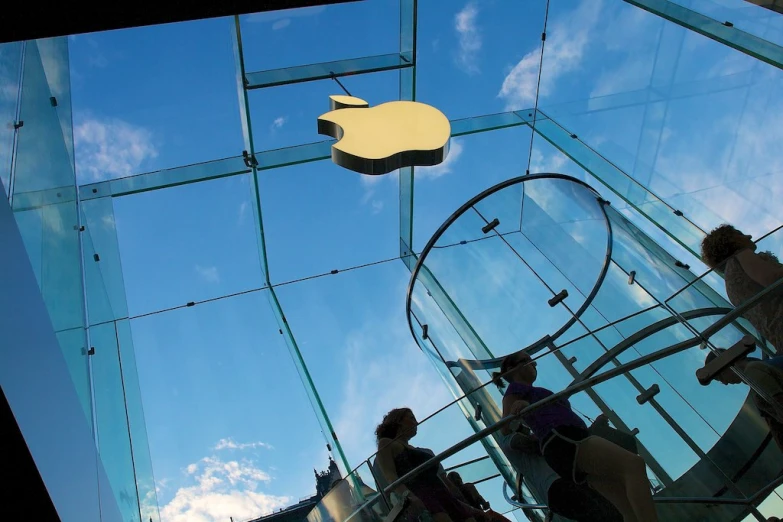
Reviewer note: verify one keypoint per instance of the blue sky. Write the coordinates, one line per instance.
(231, 431)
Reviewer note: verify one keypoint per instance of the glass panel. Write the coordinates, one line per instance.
(196, 256)
(55, 61)
(759, 20)
(112, 419)
(717, 30)
(323, 71)
(142, 463)
(465, 45)
(466, 172)
(42, 160)
(684, 121)
(564, 239)
(300, 201)
(288, 115)
(10, 68)
(205, 375)
(164, 178)
(353, 335)
(645, 202)
(50, 232)
(277, 39)
(154, 97)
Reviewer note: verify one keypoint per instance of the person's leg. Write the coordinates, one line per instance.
(580, 503)
(441, 517)
(606, 465)
(615, 493)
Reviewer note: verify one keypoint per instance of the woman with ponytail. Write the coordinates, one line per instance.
(567, 446)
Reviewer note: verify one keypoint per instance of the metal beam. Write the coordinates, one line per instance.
(328, 70)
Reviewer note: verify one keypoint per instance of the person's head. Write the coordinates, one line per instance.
(726, 376)
(455, 478)
(399, 422)
(722, 243)
(517, 367)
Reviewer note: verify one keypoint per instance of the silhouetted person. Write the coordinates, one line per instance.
(569, 449)
(468, 491)
(564, 497)
(768, 377)
(746, 273)
(396, 457)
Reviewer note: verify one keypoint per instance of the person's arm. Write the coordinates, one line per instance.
(512, 404)
(453, 489)
(761, 270)
(477, 498)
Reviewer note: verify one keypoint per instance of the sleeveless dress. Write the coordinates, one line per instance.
(766, 316)
(428, 486)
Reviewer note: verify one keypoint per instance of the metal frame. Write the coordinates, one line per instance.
(428, 283)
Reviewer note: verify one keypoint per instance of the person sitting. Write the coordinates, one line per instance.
(746, 273)
(427, 491)
(617, 474)
(563, 497)
(468, 492)
(768, 377)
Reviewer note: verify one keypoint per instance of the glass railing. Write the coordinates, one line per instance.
(731, 458)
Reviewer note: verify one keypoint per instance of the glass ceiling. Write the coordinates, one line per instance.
(221, 244)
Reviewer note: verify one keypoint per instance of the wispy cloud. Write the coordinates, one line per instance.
(209, 274)
(566, 41)
(278, 122)
(242, 212)
(377, 206)
(436, 171)
(554, 162)
(111, 148)
(469, 38)
(221, 490)
(281, 24)
(230, 443)
(284, 14)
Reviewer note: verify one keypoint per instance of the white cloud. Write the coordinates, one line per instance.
(567, 38)
(220, 490)
(281, 24)
(436, 171)
(395, 375)
(210, 274)
(377, 206)
(279, 122)
(109, 221)
(230, 443)
(554, 162)
(111, 148)
(242, 212)
(469, 37)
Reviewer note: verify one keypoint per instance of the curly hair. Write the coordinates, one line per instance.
(390, 425)
(719, 245)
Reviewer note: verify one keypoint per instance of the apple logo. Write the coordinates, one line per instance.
(377, 140)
